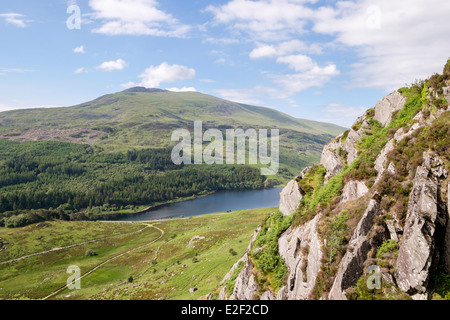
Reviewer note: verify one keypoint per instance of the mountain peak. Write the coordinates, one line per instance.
(143, 89)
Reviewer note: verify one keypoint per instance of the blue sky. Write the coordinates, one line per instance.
(318, 60)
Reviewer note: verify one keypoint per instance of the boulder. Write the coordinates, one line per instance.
(386, 107)
(331, 160)
(353, 138)
(290, 198)
(354, 190)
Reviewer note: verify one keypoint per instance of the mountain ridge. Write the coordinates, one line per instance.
(145, 118)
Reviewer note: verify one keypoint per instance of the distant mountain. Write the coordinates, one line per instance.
(141, 117)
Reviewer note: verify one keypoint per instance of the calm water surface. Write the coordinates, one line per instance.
(218, 202)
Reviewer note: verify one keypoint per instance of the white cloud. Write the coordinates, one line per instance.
(251, 96)
(396, 41)
(5, 107)
(264, 19)
(220, 40)
(79, 49)
(15, 19)
(184, 89)
(153, 76)
(79, 70)
(239, 95)
(341, 114)
(388, 43)
(298, 62)
(311, 76)
(135, 17)
(285, 48)
(265, 51)
(109, 66)
(6, 71)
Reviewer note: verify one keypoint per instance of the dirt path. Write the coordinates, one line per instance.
(109, 260)
(73, 246)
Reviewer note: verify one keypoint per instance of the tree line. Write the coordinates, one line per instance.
(48, 180)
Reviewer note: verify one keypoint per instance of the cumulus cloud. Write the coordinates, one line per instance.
(79, 49)
(390, 42)
(184, 89)
(15, 19)
(312, 75)
(135, 17)
(396, 41)
(285, 48)
(264, 19)
(109, 66)
(153, 76)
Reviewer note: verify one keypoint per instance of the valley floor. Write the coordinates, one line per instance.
(178, 259)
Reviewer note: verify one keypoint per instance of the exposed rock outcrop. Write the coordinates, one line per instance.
(301, 250)
(447, 93)
(243, 286)
(331, 159)
(246, 286)
(446, 258)
(351, 267)
(387, 106)
(418, 245)
(290, 198)
(353, 138)
(354, 190)
(403, 229)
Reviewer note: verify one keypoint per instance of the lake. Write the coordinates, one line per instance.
(221, 201)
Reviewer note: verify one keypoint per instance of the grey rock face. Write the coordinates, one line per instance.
(240, 288)
(446, 258)
(302, 254)
(331, 160)
(447, 94)
(386, 107)
(354, 190)
(351, 267)
(418, 245)
(290, 198)
(353, 138)
(267, 296)
(245, 287)
(381, 161)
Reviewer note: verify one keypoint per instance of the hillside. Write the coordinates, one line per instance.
(145, 118)
(372, 220)
(113, 155)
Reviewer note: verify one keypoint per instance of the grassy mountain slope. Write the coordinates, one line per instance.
(145, 118)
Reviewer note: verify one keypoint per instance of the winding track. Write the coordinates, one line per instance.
(74, 245)
(111, 259)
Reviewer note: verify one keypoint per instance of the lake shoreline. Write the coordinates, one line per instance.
(122, 215)
(220, 201)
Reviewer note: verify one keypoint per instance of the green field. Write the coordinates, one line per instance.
(165, 258)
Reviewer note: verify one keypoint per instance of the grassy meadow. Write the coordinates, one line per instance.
(153, 260)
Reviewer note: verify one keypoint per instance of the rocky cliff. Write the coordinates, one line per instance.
(372, 220)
